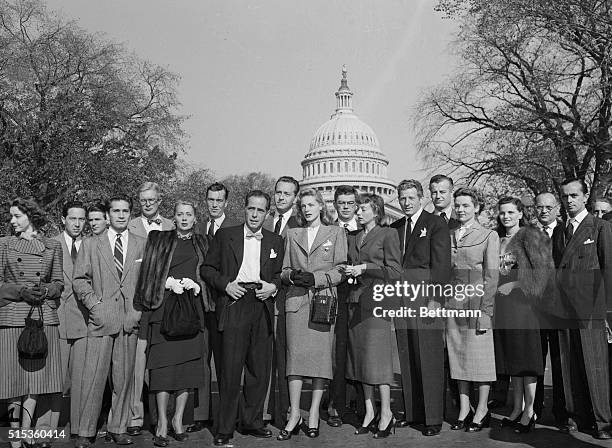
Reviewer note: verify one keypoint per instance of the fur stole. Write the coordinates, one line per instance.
(533, 252)
(151, 286)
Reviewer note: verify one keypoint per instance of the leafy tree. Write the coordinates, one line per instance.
(240, 185)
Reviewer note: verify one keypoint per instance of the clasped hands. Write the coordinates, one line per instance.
(235, 291)
(179, 286)
(302, 278)
(353, 271)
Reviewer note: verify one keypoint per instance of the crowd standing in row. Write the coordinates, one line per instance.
(153, 301)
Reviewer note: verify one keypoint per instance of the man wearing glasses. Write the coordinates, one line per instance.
(149, 198)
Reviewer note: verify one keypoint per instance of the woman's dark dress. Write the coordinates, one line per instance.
(175, 364)
(518, 347)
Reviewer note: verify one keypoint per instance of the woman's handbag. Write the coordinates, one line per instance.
(181, 319)
(32, 342)
(324, 305)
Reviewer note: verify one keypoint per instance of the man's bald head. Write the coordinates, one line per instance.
(547, 208)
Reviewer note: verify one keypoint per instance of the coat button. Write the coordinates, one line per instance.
(21, 274)
(38, 274)
(19, 260)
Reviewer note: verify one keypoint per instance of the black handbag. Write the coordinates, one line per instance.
(32, 342)
(181, 319)
(324, 305)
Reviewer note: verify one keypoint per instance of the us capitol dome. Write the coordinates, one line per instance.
(345, 151)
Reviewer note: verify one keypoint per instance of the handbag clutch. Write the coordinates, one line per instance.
(32, 342)
(180, 319)
(324, 305)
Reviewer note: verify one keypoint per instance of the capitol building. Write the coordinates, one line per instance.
(345, 151)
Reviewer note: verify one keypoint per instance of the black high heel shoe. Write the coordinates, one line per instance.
(523, 429)
(313, 433)
(509, 423)
(484, 423)
(366, 429)
(462, 424)
(384, 433)
(286, 435)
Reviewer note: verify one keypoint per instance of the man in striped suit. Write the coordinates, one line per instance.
(104, 280)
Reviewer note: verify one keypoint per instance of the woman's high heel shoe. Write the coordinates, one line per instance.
(384, 433)
(509, 423)
(520, 428)
(312, 432)
(286, 435)
(369, 428)
(484, 423)
(462, 424)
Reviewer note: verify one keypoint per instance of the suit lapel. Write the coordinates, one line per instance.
(265, 251)
(67, 258)
(322, 235)
(417, 228)
(368, 237)
(578, 237)
(469, 230)
(236, 243)
(302, 239)
(107, 255)
(130, 255)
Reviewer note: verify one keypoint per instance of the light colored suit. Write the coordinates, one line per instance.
(309, 346)
(112, 328)
(136, 227)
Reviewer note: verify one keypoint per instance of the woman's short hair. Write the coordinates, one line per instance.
(474, 195)
(33, 211)
(185, 202)
(377, 203)
(519, 206)
(325, 219)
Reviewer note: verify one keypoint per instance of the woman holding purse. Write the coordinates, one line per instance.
(313, 255)
(469, 339)
(375, 258)
(177, 358)
(31, 279)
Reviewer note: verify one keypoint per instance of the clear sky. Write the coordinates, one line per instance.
(259, 76)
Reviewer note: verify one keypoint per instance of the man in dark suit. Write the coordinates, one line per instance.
(149, 197)
(104, 281)
(217, 195)
(441, 191)
(582, 250)
(426, 257)
(277, 399)
(243, 266)
(547, 209)
(339, 411)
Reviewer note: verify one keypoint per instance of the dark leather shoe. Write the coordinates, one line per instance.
(568, 427)
(82, 442)
(133, 431)
(432, 430)
(401, 423)
(222, 439)
(262, 433)
(161, 441)
(602, 434)
(120, 439)
(198, 425)
(334, 421)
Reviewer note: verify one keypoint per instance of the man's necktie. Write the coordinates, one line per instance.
(118, 255)
(569, 231)
(545, 230)
(407, 233)
(444, 217)
(211, 229)
(279, 223)
(257, 236)
(73, 251)
(154, 221)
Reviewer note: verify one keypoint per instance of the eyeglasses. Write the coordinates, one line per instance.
(148, 201)
(342, 204)
(547, 208)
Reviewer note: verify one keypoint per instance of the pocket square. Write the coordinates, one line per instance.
(138, 261)
(589, 241)
(273, 254)
(423, 233)
(327, 243)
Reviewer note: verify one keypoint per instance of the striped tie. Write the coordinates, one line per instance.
(119, 255)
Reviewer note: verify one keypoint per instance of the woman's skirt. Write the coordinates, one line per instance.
(21, 377)
(309, 346)
(471, 356)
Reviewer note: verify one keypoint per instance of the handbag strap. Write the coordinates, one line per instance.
(40, 313)
(330, 286)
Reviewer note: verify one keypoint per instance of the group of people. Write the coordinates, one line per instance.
(150, 303)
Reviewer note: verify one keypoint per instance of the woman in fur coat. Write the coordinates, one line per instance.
(171, 264)
(525, 266)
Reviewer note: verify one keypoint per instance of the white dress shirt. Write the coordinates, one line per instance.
(68, 240)
(286, 217)
(549, 228)
(352, 224)
(312, 234)
(153, 226)
(576, 220)
(249, 269)
(112, 237)
(216, 222)
(448, 212)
